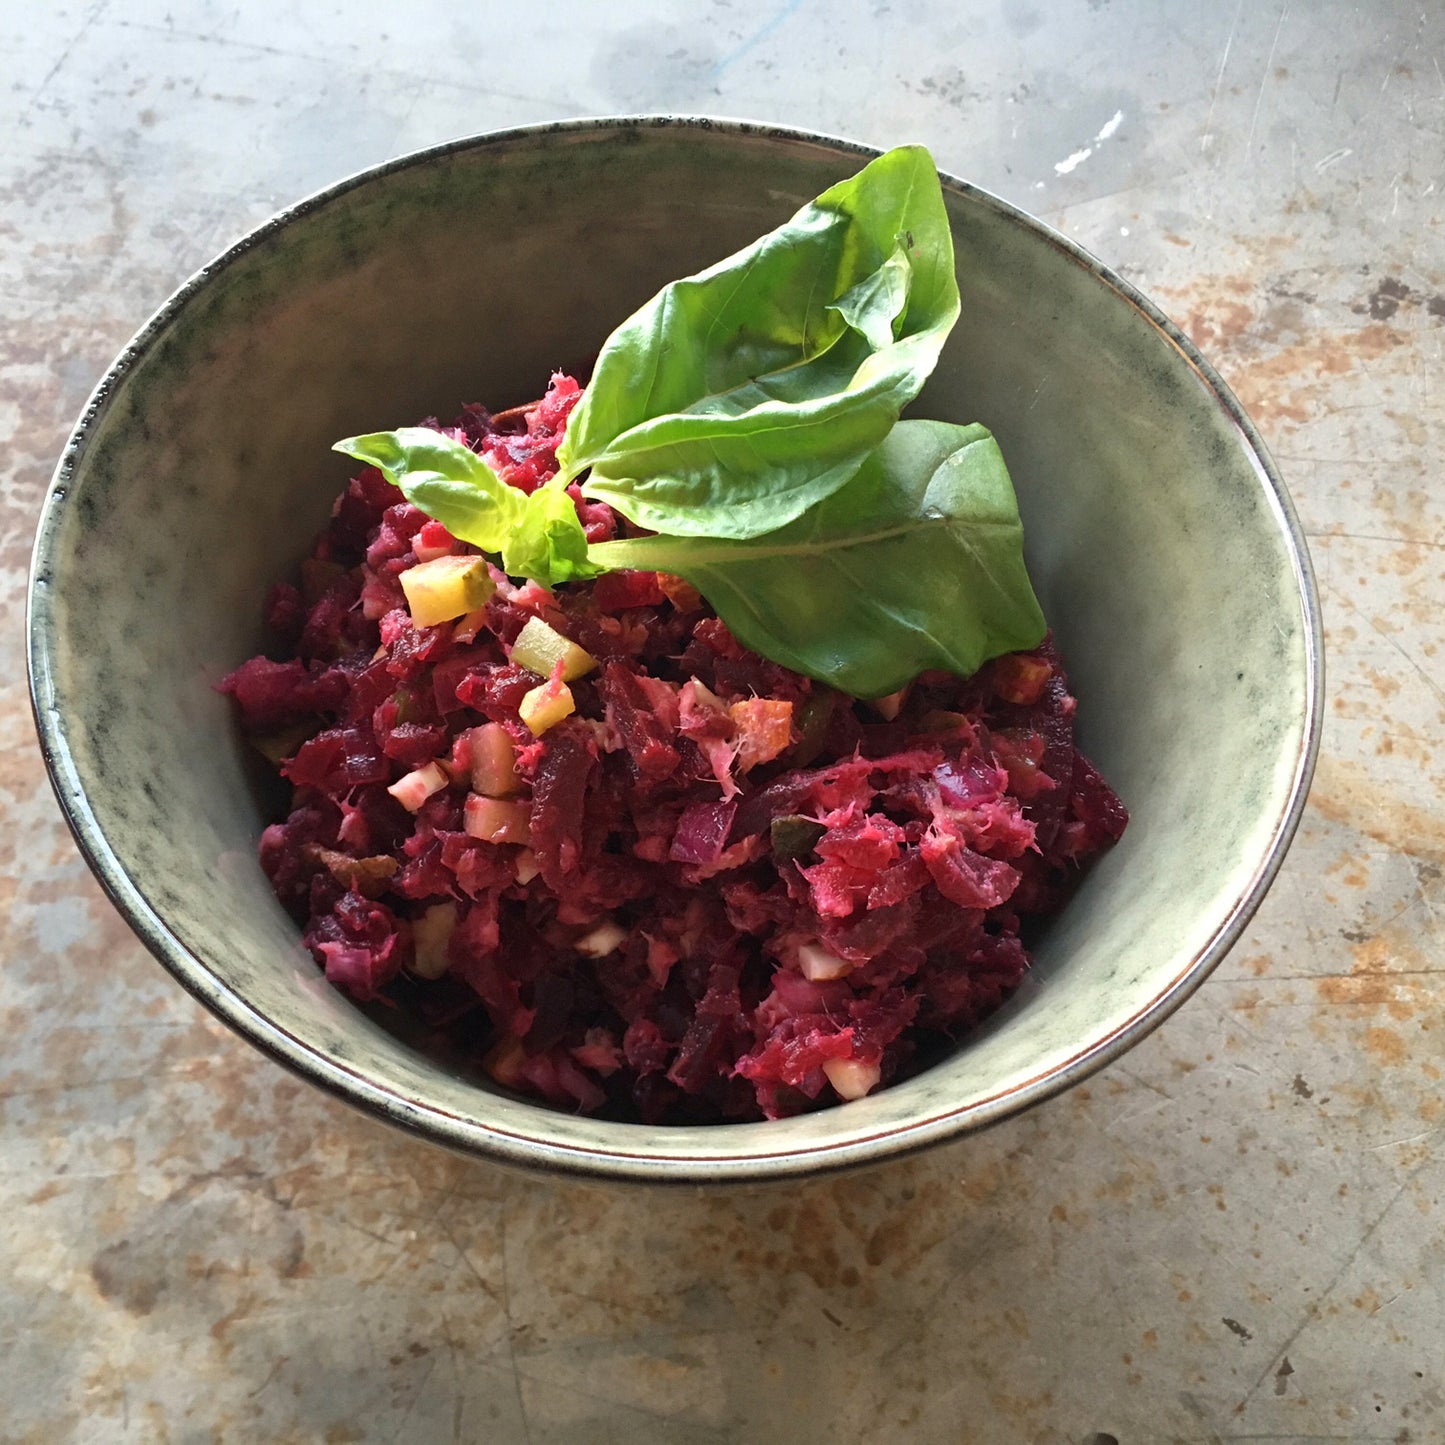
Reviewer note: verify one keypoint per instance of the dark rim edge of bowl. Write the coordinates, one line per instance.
(471, 1136)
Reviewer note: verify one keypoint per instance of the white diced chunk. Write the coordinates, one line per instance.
(417, 786)
(850, 1078)
(818, 965)
(604, 939)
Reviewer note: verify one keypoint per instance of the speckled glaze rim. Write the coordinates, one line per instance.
(470, 1135)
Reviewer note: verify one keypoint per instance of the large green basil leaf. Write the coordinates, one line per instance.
(916, 563)
(537, 536)
(737, 398)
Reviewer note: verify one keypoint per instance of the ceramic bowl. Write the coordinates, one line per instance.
(1161, 540)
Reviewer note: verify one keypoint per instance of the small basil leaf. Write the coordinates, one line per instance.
(537, 536)
(917, 563)
(548, 542)
(875, 306)
(446, 479)
(739, 397)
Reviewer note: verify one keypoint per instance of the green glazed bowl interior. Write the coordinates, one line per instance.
(1161, 541)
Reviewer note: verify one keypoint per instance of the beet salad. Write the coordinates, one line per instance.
(626, 864)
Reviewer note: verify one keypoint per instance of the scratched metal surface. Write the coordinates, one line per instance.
(1236, 1233)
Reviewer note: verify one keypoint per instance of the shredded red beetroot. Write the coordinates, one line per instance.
(716, 891)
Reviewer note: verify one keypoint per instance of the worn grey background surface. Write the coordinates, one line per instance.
(1234, 1234)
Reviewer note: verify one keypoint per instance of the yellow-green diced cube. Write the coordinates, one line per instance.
(546, 706)
(446, 587)
(497, 820)
(540, 647)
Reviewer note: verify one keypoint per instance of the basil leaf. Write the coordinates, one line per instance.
(537, 536)
(446, 479)
(737, 398)
(548, 542)
(917, 563)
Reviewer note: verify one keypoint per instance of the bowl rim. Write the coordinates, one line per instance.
(755, 1163)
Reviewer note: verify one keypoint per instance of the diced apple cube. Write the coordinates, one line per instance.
(527, 866)
(492, 761)
(763, 728)
(546, 706)
(890, 706)
(417, 786)
(446, 587)
(497, 820)
(540, 647)
(430, 935)
(818, 965)
(850, 1078)
(604, 939)
(505, 1060)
